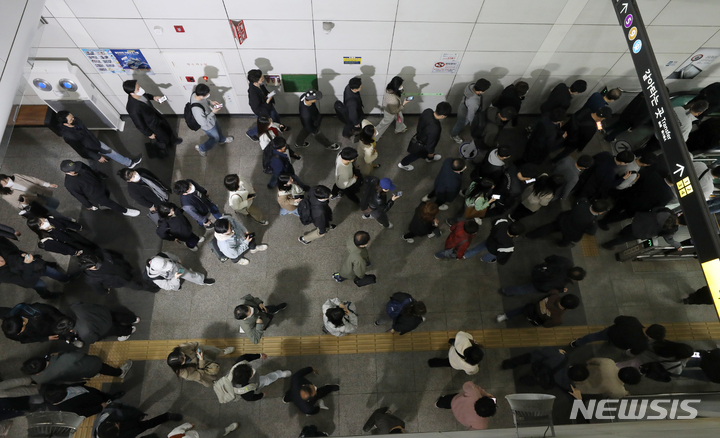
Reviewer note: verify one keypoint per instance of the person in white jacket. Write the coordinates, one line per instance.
(186, 430)
(465, 354)
(244, 381)
(165, 271)
(339, 317)
(233, 240)
(346, 182)
(267, 130)
(241, 197)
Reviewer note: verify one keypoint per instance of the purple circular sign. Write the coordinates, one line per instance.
(628, 20)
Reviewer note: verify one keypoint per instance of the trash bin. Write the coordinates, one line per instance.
(531, 410)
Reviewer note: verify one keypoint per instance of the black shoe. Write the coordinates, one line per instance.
(500, 291)
(280, 307)
(285, 400)
(506, 365)
(252, 137)
(178, 141)
(573, 343)
(117, 395)
(209, 281)
(175, 417)
(603, 226)
(377, 322)
(607, 246)
(335, 388)
(436, 362)
(284, 128)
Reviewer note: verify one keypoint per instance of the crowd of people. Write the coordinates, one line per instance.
(509, 183)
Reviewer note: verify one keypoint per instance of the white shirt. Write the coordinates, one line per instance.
(685, 119)
(15, 186)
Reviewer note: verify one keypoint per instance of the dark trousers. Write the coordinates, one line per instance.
(547, 229)
(700, 296)
(192, 241)
(136, 427)
(380, 216)
(617, 214)
(107, 370)
(625, 235)
(439, 362)
(351, 192)
(445, 401)
(442, 198)
(41, 287)
(122, 323)
(412, 157)
(516, 361)
(521, 212)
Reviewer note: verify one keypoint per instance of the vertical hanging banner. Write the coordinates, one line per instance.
(239, 32)
(703, 228)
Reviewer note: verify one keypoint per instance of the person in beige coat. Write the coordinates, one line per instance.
(465, 354)
(241, 198)
(393, 105)
(34, 189)
(197, 363)
(367, 149)
(289, 195)
(538, 195)
(347, 182)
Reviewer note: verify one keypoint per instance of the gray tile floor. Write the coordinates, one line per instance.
(459, 295)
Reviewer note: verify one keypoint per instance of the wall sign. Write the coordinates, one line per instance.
(118, 60)
(239, 32)
(132, 60)
(448, 64)
(352, 59)
(103, 60)
(693, 66)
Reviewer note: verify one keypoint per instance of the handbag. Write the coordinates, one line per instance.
(657, 371)
(543, 374)
(416, 147)
(366, 280)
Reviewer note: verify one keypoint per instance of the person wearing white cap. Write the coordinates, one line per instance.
(187, 430)
(311, 118)
(165, 271)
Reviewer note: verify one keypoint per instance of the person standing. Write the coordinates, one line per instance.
(472, 103)
(32, 189)
(465, 354)
(339, 317)
(195, 201)
(404, 312)
(315, 209)
(166, 272)
(347, 178)
(118, 420)
(573, 224)
(448, 183)
(384, 422)
(561, 96)
(374, 203)
(461, 235)
(70, 367)
(499, 246)
(254, 317)
(547, 135)
(513, 95)
(472, 407)
(304, 395)
(556, 272)
(173, 226)
(570, 169)
(243, 381)
(147, 119)
(24, 270)
(357, 259)
(77, 135)
(486, 126)
(276, 160)
(241, 197)
(603, 176)
(233, 240)
(393, 106)
(262, 102)
(89, 187)
(311, 119)
(424, 222)
(354, 106)
(660, 222)
(204, 111)
(195, 362)
(105, 270)
(81, 400)
(145, 188)
(606, 380)
(581, 130)
(426, 138)
(27, 323)
(598, 100)
(95, 322)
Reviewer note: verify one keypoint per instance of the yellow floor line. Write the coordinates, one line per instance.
(589, 246)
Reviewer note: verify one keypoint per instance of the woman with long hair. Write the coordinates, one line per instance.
(267, 130)
(367, 149)
(424, 222)
(393, 105)
(478, 198)
(538, 195)
(197, 363)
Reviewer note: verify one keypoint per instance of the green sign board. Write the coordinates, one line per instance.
(299, 83)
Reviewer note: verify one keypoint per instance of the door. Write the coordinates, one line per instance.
(193, 68)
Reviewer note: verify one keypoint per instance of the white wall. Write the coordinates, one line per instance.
(544, 42)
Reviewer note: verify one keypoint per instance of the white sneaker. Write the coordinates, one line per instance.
(125, 368)
(411, 240)
(243, 261)
(478, 221)
(93, 208)
(230, 428)
(262, 247)
(193, 249)
(228, 139)
(137, 320)
(285, 374)
(409, 167)
(228, 350)
(436, 157)
(202, 239)
(458, 139)
(321, 405)
(202, 154)
(390, 225)
(431, 235)
(241, 331)
(135, 163)
(131, 212)
(443, 207)
(125, 338)
(425, 198)
(502, 317)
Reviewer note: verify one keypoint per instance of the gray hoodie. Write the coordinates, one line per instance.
(471, 103)
(206, 119)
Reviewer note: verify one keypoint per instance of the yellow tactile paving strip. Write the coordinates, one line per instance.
(589, 246)
(116, 353)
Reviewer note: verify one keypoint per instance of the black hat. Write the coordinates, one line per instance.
(69, 166)
(313, 95)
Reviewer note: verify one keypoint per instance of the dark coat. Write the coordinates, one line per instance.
(257, 96)
(448, 182)
(354, 104)
(142, 193)
(405, 323)
(114, 272)
(280, 162)
(297, 380)
(70, 367)
(648, 192)
(374, 199)
(93, 322)
(559, 97)
(41, 322)
(545, 137)
(710, 364)
(598, 180)
(499, 243)
(577, 221)
(594, 102)
(84, 405)
(196, 201)
(81, 140)
(509, 97)
(64, 238)
(16, 271)
(310, 117)
(175, 227)
(581, 129)
(87, 186)
(636, 113)
(428, 130)
(383, 421)
(418, 226)
(148, 120)
(552, 274)
(129, 417)
(627, 334)
(320, 212)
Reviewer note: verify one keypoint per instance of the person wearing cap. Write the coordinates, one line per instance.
(374, 203)
(547, 135)
(262, 102)
(448, 183)
(77, 135)
(426, 138)
(471, 104)
(89, 187)
(561, 96)
(354, 106)
(393, 106)
(147, 119)
(487, 124)
(311, 119)
(582, 128)
(165, 271)
(320, 215)
(357, 260)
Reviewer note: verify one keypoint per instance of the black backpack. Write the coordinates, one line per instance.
(304, 213)
(267, 159)
(478, 124)
(342, 112)
(190, 118)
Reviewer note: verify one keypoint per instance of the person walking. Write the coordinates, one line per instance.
(374, 203)
(626, 333)
(479, 196)
(254, 317)
(367, 149)
(348, 178)
(31, 188)
(461, 235)
(537, 195)
(658, 222)
(145, 188)
(81, 400)
(448, 183)
(392, 105)
(70, 367)
(262, 102)
(147, 119)
(354, 107)
(465, 354)
(290, 193)
(118, 420)
(89, 187)
(424, 222)
(571, 171)
(315, 209)
(204, 111)
(548, 312)
(304, 395)
(195, 201)
(573, 224)
(276, 160)
(105, 269)
(241, 197)
(27, 323)
(25, 270)
(187, 430)
(267, 130)
(513, 95)
(561, 96)
(472, 407)
(195, 362)
(487, 125)
(243, 381)
(167, 272)
(91, 323)
(357, 261)
(405, 313)
(384, 422)
(339, 317)
(173, 226)
(61, 236)
(311, 119)
(426, 138)
(472, 103)
(556, 272)
(233, 240)
(499, 246)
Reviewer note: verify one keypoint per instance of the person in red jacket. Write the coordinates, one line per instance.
(461, 235)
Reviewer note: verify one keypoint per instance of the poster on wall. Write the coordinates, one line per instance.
(447, 64)
(132, 60)
(103, 60)
(239, 31)
(699, 61)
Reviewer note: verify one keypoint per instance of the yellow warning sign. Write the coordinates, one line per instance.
(684, 187)
(711, 270)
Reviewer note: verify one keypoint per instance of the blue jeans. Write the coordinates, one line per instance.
(714, 205)
(459, 125)
(284, 212)
(602, 335)
(215, 211)
(445, 254)
(481, 248)
(273, 115)
(53, 273)
(215, 135)
(514, 312)
(523, 289)
(110, 153)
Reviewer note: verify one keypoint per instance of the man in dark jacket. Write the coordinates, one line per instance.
(602, 177)
(499, 246)
(561, 96)
(147, 119)
(384, 422)
(174, 226)
(77, 135)
(427, 136)
(448, 183)
(487, 124)
(709, 364)
(374, 202)
(555, 361)
(311, 118)
(547, 135)
(279, 161)
(581, 219)
(405, 313)
(105, 270)
(627, 333)
(511, 185)
(513, 95)
(598, 100)
(24, 270)
(556, 272)
(70, 367)
(493, 164)
(27, 323)
(354, 106)
(144, 187)
(581, 129)
(304, 394)
(82, 400)
(635, 115)
(548, 312)
(89, 187)
(195, 201)
(60, 235)
(320, 214)
(118, 420)
(262, 102)
(650, 191)
(660, 221)
(94, 322)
